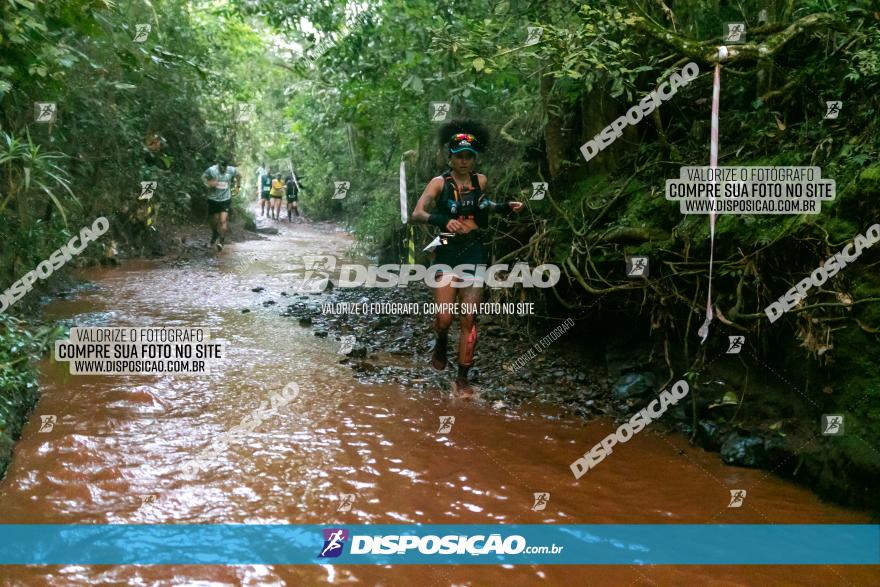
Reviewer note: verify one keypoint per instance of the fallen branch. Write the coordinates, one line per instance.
(706, 51)
(623, 235)
(773, 93)
(867, 329)
(506, 136)
(568, 264)
(810, 307)
(668, 13)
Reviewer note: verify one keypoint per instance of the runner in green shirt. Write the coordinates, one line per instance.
(265, 188)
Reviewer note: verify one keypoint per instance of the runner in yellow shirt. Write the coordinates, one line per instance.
(277, 193)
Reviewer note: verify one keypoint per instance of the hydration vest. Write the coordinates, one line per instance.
(464, 204)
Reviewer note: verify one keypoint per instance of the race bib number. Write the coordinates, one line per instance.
(222, 185)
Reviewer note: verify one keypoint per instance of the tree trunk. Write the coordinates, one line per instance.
(596, 114)
(778, 13)
(553, 141)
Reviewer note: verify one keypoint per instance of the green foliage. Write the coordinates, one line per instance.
(179, 88)
(20, 347)
(361, 102)
(30, 174)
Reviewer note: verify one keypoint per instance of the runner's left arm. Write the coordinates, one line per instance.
(505, 209)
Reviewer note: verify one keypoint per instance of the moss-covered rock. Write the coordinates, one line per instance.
(869, 179)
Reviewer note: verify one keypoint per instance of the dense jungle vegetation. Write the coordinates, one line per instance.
(342, 89)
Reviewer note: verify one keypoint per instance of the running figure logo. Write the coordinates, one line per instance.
(541, 501)
(148, 188)
(832, 108)
(736, 32)
(317, 272)
(47, 423)
(736, 344)
(148, 499)
(832, 425)
(341, 189)
(45, 111)
(334, 541)
(637, 266)
(446, 423)
(347, 344)
(737, 498)
(246, 263)
(439, 111)
(346, 500)
(539, 190)
(141, 32)
(535, 33)
(245, 112)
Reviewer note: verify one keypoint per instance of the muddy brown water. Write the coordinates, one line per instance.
(121, 440)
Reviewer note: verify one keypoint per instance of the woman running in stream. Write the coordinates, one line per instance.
(460, 209)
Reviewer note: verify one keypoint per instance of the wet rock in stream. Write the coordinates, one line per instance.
(709, 434)
(635, 386)
(358, 352)
(554, 375)
(745, 451)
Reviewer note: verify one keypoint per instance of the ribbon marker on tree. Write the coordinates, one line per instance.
(403, 213)
(295, 181)
(293, 175)
(713, 163)
(403, 203)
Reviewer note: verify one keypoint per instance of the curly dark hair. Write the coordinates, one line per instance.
(464, 125)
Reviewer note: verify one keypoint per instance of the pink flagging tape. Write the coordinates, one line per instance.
(713, 163)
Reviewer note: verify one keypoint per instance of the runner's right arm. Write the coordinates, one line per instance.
(208, 180)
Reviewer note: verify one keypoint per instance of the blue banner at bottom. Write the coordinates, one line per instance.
(440, 544)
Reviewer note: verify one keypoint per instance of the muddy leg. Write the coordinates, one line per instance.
(442, 322)
(467, 342)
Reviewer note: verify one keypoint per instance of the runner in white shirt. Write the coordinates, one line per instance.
(223, 180)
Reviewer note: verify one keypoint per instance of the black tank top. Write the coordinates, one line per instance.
(464, 203)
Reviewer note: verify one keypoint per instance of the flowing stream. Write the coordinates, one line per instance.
(120, 445)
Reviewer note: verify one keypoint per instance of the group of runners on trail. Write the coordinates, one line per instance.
(455, 202)
(224, 180)
(271, 188)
